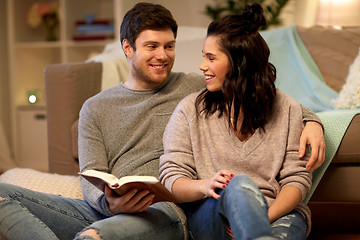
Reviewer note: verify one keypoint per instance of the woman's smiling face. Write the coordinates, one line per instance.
(215, 65)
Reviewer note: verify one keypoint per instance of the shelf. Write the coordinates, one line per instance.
(31, 107)
(29, 53)
(42, 44)
(57, 44)
(76, 10)
(94, 43)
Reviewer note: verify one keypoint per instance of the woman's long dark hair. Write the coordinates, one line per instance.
(250, 81)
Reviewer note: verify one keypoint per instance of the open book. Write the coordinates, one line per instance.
(124, 184)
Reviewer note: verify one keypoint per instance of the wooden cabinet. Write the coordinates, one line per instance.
(32, 138)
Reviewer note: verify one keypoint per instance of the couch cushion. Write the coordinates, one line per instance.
(349, 151)
(67, 87)
(74, 139)
(332, 50)
(67, 186)
(349, 96)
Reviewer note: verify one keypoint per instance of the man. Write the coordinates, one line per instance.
(120, 131)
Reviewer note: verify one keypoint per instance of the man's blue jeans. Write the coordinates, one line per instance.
(26, 214)
(243, 207)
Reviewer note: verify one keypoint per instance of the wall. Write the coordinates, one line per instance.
(191, 13)
(186, 12)
(299, 12)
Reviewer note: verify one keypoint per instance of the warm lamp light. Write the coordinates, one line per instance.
(32, 96)
(338, 13)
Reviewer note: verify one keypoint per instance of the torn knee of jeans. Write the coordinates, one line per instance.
(282, 235)
(287, 225)
(1, 198)
(258, 195)
(89, 234)
(288, 217)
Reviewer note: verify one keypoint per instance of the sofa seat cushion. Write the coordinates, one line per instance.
(340, 183)
(348, 151)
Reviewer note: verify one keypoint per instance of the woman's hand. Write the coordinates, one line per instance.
(190, 190)
(220, 180)
(133, 201)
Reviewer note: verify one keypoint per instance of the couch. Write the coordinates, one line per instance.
(336, 201)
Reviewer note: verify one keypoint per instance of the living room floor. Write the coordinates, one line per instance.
(335, 221)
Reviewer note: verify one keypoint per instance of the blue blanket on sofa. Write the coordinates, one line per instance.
(336, 123)
(297, 73)
(299, 77)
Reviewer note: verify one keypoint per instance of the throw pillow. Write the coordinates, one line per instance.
(349, 96)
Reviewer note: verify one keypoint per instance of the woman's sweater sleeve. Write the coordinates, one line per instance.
(293, 171)
(177, 160)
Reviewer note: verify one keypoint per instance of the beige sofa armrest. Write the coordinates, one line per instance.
(67, 86)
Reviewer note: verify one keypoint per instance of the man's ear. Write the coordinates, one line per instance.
(128, 50)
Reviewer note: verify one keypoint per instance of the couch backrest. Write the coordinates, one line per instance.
(67, 86)
(332, 50)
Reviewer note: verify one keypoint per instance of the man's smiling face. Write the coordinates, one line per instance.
(152, 60)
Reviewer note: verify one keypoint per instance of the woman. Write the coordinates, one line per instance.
(231, 151)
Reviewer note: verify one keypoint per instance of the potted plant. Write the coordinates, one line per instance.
(45, 13)
(272, 9)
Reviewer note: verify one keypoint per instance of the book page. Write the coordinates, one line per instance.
(108, 178)
(123, 185)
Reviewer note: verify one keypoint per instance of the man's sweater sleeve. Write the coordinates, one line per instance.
(309, 115)
(92, 155)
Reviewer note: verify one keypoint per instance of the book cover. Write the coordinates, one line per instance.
(94, 22)
(94, 28)
(124, 184)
